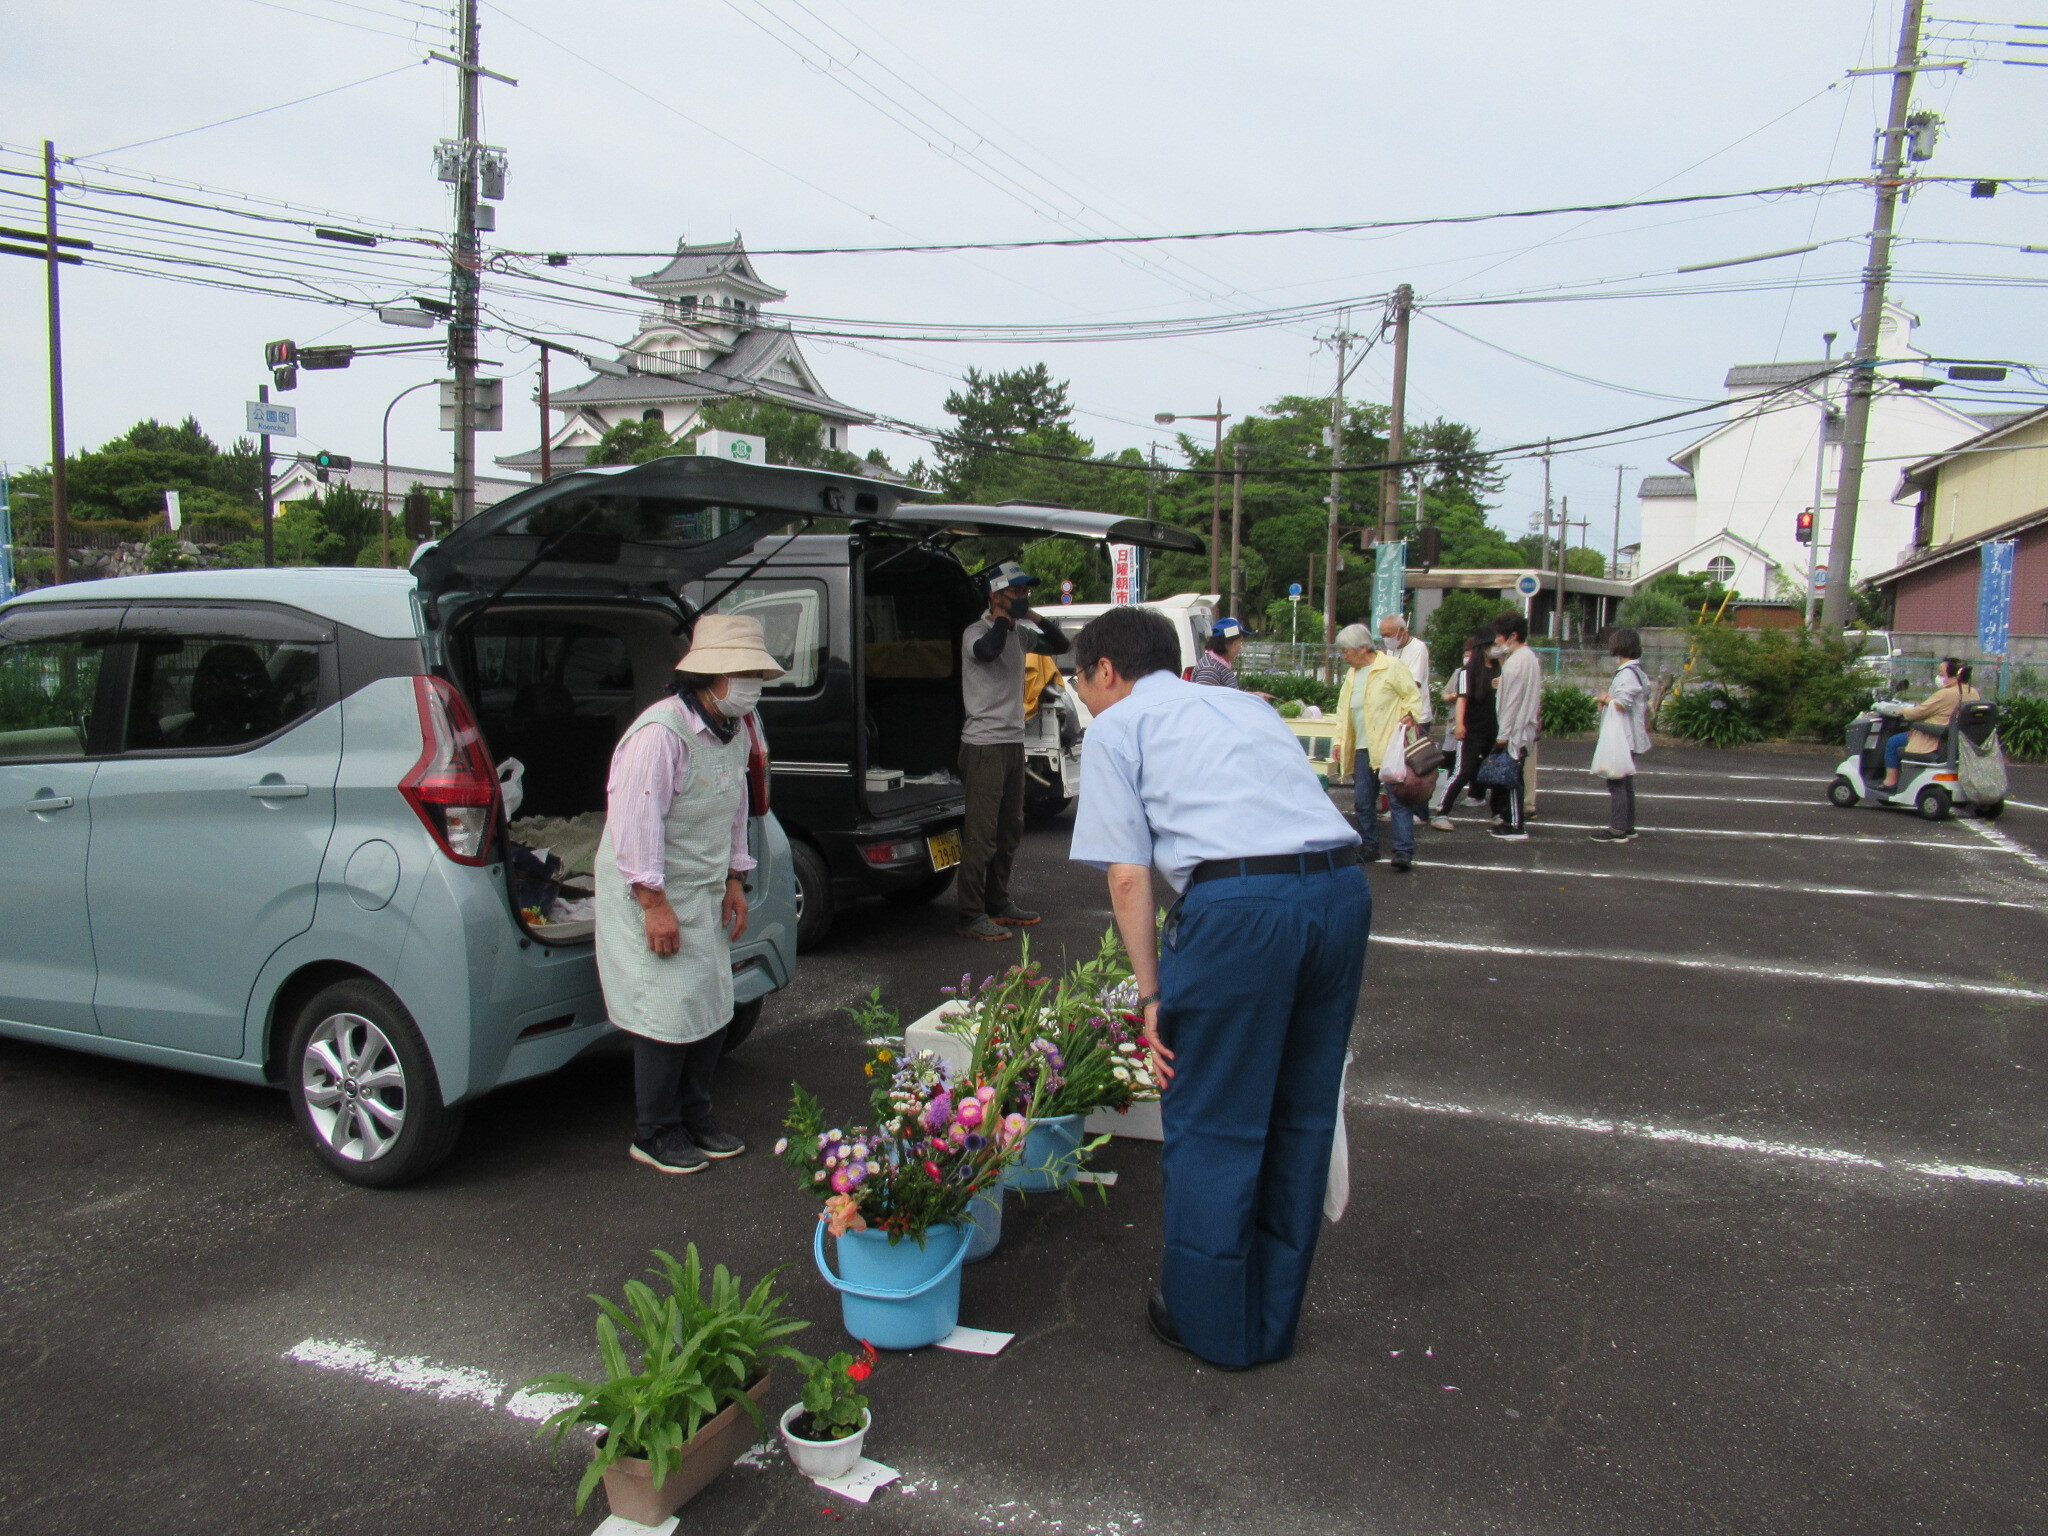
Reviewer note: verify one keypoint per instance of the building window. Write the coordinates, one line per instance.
(831, 437)
(653, 414)
(1722, 569)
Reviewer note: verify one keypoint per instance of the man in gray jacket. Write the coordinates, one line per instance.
(992, 749)
(1520, 711)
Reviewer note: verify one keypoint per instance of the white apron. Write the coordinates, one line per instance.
(688, 995)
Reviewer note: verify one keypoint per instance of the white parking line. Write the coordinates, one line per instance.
(1740, 885)
(1816, 804)
(1736, 967)
(1796, 837)
(415, 1373)
(1714, 1140)
(1715, 773)
(1998, 839)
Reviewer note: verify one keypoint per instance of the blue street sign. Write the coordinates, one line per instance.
(1994, 597)
(1294, 589)
(1527, 584)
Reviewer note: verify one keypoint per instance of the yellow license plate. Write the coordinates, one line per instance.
(945, 849)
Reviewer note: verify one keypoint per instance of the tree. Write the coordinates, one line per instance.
(1459, 471)
(1454, 621)
(631, 442)
(124, 480)
(1694, 590)
(794, 437)
(1651, 609)
(994, 412)
(1470, 542)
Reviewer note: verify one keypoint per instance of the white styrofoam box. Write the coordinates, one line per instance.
(882, 780)
(1138, 1123)
(742, 446)
(927, 1034)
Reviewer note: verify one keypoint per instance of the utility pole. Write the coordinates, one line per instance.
(1543, 544)
(1336, 491)
(547, 427)
(1834, 609)
(1216, 502)
(1236, 609)
(1390, 483)
(1614, 559)
(1564, 539)
(1820, 469)
(269, 490)
(60, 488)
(462, 327)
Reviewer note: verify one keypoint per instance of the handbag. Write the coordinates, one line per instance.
(1424, 755)
(1498, 770)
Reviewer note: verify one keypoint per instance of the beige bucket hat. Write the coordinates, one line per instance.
(728, 642)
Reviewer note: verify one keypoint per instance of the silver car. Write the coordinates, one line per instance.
(252, 823)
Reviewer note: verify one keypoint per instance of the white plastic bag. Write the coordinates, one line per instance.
(1337, 1188)
(1611, 756)
(512, 785)
(1394, 766)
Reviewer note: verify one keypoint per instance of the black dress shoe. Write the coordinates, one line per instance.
(1160, 1321)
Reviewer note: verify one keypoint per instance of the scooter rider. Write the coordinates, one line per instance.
(1930, 717)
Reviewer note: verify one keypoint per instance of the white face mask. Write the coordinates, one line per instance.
(1496, 651)
(741, 695)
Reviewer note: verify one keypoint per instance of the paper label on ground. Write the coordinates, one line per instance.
(1089, 1176)
(976, 1341)
(859, 1484)
(619, 1525)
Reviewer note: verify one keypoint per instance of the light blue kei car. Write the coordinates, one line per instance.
(251, 821)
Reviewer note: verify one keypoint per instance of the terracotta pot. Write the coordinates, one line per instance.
(823, 1458)
(629, 1486)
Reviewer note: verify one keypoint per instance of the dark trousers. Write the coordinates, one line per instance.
(1365, 802)
(1621, 804)
(672, 1083)
(994, 780)
(1508, 802)
(1471, 753)
(1259, 982)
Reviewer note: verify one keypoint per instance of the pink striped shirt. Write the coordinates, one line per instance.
(647, 769)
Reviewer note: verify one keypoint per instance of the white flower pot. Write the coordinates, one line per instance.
(823, 1458)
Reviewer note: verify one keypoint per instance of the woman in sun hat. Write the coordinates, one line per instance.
(671, 886)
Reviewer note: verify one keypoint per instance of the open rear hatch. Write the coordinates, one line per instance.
(937, 519)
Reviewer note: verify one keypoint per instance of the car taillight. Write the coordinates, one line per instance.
(757, 780)
(1187, 674)
(452, 787)
(891, 853)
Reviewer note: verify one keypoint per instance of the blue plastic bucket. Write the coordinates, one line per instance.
(900, 1297)
(985, 1210)
(1048, 1161)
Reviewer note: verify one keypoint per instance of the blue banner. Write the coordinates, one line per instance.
(1389, 580)
(1994, 596)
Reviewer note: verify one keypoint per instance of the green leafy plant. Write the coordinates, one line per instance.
(2023, 728)
(1712, 717)
(833, 1408)
(697, 1355)
(1454, 621)
(1795, 682)
(1650, 609)
(1569, 711)
(1289, 685)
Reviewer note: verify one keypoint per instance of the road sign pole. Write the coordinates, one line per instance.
(269, 490)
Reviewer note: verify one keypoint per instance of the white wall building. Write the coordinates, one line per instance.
(1732, 511)
(704, 341)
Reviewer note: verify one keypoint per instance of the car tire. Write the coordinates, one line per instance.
(744, 1017)
(1040, 809)
(1991, 810)
(931, 888)
(1842, 793)
(813, 895)
(357, 1071)
(1932, 803)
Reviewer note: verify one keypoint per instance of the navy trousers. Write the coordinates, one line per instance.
(1258, 983)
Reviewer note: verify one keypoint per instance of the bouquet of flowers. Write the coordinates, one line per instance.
(934, 1143)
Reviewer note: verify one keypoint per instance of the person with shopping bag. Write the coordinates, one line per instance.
(1378, 699)
(1624, 731)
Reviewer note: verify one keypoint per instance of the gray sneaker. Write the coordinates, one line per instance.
(670, 1151)
(985, 928)
(1442, 824)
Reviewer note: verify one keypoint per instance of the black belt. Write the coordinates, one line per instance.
(1275, 864)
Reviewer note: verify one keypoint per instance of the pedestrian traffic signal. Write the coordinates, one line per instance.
(1429, 545)
(280, 354)
(1804, 532)
(285, 378)
(325, 463)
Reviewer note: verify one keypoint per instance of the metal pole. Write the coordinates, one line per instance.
(1237, 534)
(1820, 469)
(1543, 544)
(1564, 540)
(409, 389)
(1390, 483)
(1834, 608)
(1614, 559)
(60, 484)
(1216, 503)
(462, 326)
(547, 430)
(1336, 494)
(269, 491)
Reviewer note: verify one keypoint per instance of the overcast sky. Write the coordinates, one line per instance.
(1131, 116)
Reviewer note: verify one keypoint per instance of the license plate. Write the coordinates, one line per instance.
(945, 849)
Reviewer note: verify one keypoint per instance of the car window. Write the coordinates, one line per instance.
(215, 691)
(535, 667)
(792, 615)
(46, 693)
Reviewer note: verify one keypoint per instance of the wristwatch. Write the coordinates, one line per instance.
(1148, 1000)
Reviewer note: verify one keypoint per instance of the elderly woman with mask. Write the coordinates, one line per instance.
(1379, 693)
(671, 887)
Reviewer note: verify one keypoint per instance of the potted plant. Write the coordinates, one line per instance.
(691, 1405)
(824, 1431)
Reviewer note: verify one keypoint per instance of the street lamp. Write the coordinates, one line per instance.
(1218, 416)
(384, 550)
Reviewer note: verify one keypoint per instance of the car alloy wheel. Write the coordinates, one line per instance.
(354, 1086)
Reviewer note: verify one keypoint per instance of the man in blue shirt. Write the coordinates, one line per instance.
(1250, 990)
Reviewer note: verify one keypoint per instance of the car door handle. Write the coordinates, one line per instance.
(50, 803)
(278, 791)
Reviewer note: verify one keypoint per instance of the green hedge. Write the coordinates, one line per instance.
(1569, 711)
(1710, 717)
(1290, 685)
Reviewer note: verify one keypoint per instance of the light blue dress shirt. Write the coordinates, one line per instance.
(1178, 773)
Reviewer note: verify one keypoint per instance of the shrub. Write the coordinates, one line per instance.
(1569, 711)
(1291, 685)
(1650, 609)
(2023, 728)
(1795, 682)
(1712, 717)
(1452, 622)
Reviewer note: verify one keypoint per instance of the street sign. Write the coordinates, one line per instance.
(1820, 576)
(6, 538)
(174, 512)
(1994, 596)
(1527, 584)
(1123, 574)
(1389, 580)
(1294, 590)
(268, 419)
(1066, 586)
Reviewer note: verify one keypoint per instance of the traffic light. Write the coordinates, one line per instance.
(281, 358)
(326, 357)
(325, 463)
(419, 515)
(1804, 532)
(1429, 545)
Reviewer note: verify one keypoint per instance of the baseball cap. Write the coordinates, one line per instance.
(1226, 629)
(1005, 575)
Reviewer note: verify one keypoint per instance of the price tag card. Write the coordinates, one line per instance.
(975, 1341)
(859, 1484)
(619, 1525)
(1089, 1176)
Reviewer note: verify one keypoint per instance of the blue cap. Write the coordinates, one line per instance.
(1005, 575)
(1226, 629)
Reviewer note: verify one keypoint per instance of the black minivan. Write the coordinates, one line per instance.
(864, 727)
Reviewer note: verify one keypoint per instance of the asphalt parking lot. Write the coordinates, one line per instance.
(1698, 1185)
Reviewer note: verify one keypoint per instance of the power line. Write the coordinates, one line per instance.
(243, 117)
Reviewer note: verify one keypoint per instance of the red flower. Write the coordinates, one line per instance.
(860, 1370)
(933, 1169)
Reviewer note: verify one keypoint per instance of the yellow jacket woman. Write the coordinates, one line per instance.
(1379, 692)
